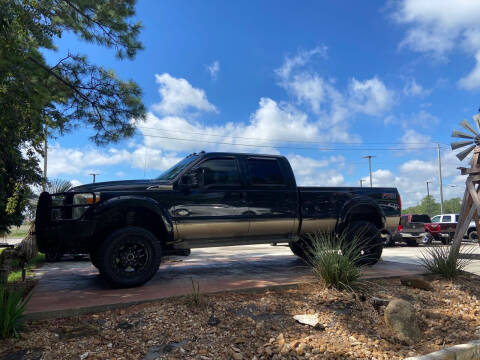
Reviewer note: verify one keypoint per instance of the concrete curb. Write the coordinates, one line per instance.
(469, 351)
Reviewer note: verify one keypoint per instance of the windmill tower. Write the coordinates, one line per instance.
(471, 199)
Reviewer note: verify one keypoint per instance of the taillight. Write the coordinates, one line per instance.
(400, 228)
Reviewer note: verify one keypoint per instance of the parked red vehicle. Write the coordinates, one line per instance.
(415, 229)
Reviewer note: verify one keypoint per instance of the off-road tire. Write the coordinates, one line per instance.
(389, 241)
(473, 236)
(368, 237)
(125, 246)
(302, 249)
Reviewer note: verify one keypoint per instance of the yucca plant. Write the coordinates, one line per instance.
(438, 260)
(334, 260)
(12, 308)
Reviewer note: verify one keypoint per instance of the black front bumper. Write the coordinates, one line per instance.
(75, 235)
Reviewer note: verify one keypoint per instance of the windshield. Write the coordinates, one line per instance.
(176, 169)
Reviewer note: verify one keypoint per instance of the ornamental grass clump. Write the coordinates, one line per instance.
(334, 260)
(12, 308)
(438, 260)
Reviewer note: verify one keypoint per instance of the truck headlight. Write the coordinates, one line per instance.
(83, 199)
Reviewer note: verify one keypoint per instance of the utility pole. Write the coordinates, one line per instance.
(45, 155)
(440, 178)
(428, 197)
(369, 157)
(361, 182)
(94, 175)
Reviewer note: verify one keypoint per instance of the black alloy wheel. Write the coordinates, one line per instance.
(128, 257)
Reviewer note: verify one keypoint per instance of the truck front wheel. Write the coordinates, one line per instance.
(365, 235)
(129, 257)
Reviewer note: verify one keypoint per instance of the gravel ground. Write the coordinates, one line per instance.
(260, 326)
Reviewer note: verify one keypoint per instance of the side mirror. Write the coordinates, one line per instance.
(191, 179)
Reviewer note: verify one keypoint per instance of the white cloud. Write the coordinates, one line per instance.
(299, 60)
(414, 140)
(178, 96)
(80, 161)
(472, 80)
(214, 69)
(412, 88)
(438, 27)
(310, 171)
(270, 122)
(75, 182)
(370, 97)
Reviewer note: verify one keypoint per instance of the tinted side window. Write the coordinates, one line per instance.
(265, 172)
(447, 218)
(457, 217)
(220, 172)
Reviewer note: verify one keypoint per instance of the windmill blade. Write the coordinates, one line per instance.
(458, 144)
(476, 118)
(459, 134)
(466, 125)
(462, 155)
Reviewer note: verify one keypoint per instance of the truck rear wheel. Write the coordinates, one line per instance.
(368, 238)
(301, 248)
(128, 257)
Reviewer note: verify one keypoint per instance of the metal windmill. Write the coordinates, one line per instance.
(471, 200)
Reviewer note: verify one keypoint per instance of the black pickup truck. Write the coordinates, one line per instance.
(207, 199)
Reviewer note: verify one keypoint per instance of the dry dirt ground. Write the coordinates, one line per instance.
(259, 325)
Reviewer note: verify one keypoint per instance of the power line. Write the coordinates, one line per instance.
(279, 140)
(289, 147)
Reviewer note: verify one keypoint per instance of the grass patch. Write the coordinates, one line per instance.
(334, 261)
(16, 274)
(18, 232)
(437, 260)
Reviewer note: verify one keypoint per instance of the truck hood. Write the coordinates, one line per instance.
(119, 185)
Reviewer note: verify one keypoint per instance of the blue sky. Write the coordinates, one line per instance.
(360, 78)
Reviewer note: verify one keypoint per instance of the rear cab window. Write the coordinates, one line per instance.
(421, 218)
(265, 172)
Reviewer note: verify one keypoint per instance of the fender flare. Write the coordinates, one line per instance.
(354, 204)
(138, 202)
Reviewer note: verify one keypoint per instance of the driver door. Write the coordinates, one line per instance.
(216, 208)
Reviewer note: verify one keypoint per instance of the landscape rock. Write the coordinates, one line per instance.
(417, 283)
(378, 302)
(401, 319)
(162, 349)
(307, 319)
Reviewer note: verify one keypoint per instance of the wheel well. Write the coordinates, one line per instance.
(130, 216)
(365, 213)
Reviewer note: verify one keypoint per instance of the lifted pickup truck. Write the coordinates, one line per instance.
(207, 199)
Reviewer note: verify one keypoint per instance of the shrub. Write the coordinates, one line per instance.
(437, 260)
(12, 308)
(334, 260)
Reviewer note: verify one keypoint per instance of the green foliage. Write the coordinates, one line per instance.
(439, 260)
(12, 308)
(334, 260)
(38, 99)
(195, 296)
(429, 206)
